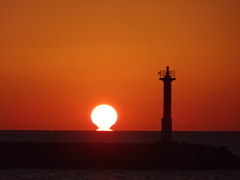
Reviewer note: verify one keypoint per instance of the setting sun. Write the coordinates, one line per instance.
(104, 116)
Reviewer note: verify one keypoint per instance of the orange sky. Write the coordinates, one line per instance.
(61, 58)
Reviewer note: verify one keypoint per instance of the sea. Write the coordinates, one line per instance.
(224, 138)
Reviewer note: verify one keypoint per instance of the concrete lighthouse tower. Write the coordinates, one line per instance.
(167, 76)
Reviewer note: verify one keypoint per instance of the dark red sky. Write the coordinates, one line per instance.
(61, 58)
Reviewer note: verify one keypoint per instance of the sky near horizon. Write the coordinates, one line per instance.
(61, 58)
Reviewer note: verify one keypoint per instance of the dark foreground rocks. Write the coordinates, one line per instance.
(115, 155)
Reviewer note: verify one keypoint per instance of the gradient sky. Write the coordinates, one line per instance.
(61, 58)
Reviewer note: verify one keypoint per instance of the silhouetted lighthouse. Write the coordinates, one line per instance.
(167, 76)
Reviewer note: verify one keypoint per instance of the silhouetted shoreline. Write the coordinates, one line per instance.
(115, 155)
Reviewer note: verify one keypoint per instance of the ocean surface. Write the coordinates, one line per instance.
(229, 139)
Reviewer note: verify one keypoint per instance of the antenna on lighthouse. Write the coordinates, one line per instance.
(167, 76)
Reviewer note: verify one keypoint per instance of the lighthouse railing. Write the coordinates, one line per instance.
(162, 73)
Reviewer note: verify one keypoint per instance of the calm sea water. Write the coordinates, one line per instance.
(229, 139)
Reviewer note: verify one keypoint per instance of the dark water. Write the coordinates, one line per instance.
(229, 139)
(120, 174)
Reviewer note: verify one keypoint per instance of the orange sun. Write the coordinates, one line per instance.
(104, 116)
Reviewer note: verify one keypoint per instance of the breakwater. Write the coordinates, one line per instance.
(115, 155)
